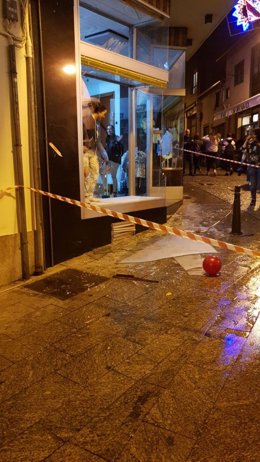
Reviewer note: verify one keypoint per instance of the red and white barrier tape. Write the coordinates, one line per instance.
(221, 158)
(147, 224)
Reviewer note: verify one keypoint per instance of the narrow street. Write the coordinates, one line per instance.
(158, 366)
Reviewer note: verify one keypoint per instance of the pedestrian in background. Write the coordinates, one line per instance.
(211, 147)
(187, 156)
(196, 146)
(252, 147)
(228, 154)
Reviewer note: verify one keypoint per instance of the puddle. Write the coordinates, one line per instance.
(66, 283)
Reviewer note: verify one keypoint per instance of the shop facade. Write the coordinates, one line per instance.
(241, 118)
(86, 52)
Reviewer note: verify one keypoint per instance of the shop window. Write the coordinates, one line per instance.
(105, 135)
(220, 129)
(239, 73)
(245, 120)
(125, 154)
(255, 118)
(194, 88)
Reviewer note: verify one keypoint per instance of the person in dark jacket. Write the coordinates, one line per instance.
(114, 149)
(187, 154)
(196, 146)
(252, 147)
(228, 153)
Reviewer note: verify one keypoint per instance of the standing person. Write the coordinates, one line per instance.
(93, 150)
(187, 156)
(114, 149)
(228, 154)
(211, 147)
(252, 147)
(240, 156)
(196, 146)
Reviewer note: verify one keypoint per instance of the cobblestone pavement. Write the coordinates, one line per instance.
(158, 367)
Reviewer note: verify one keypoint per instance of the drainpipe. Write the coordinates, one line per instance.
(34, 152)
(18, 163)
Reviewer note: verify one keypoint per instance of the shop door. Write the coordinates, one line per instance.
(142, 141)
(157, 132)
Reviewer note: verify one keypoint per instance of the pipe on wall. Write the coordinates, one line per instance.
(18, 163)
(34, 151)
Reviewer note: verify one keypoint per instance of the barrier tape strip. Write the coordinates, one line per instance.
(147, 224)
(221, 158)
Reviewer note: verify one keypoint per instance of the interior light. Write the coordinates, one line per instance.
(69, 69)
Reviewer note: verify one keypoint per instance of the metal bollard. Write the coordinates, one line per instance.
(236, 218)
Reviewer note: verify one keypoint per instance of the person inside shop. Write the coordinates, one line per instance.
(114, 149)
(94, 152)
(252, 149)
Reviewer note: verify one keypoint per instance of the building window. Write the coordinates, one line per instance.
(239, 73)
(227, 93)
(217, 101)
(256, 60)
(255, 70)
(194, 83)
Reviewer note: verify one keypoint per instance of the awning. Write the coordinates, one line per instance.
(243, 106)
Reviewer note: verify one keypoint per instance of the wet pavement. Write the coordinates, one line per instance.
(161, 366)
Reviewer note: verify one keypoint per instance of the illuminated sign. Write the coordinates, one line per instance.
(247, 12)
(243, 106)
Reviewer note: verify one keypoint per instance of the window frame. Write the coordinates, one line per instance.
(194, 85)
(239, 71)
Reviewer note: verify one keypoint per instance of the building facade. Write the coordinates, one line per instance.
(222, 84)
(239, 105)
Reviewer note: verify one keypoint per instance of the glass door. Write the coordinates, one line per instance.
(157, 133)
(142, 142)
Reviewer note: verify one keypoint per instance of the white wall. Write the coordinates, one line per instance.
(10, 252)
(8, 221)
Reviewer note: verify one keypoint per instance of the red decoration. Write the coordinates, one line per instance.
(212, 265)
